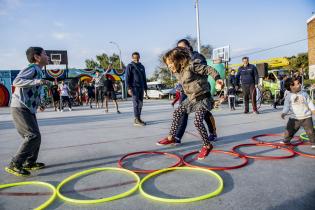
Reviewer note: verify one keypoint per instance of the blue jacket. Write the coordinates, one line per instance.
(247, 75)
(197, 56)
(135, 76)
(232, 80)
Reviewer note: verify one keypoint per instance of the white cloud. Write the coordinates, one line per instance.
(58, 24)
(6, 6)
(60, 35)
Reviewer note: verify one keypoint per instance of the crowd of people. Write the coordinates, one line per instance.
(193, 94)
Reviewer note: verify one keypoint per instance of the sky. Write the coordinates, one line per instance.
(85, 28)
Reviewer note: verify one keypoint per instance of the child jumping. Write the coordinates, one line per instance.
(301, 106)
(25, 101)
(193, 77)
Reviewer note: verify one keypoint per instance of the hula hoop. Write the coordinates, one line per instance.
(304, 137)
(42, 206)
(178, 163)
(245, 161)
(255, 139)
(302, 153)
(184, 200)
(265, 157)
(95, 201)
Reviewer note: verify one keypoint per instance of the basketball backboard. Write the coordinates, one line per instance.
(57, 57)
(221, 53)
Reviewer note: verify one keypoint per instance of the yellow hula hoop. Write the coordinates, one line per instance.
(95, 201)
(44, 205)
(184, 200)
(304, 137)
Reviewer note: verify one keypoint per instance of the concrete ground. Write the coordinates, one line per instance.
(83, 139)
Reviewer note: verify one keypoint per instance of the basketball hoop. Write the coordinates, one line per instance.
(221, 55)
(55, 58)
(55, 62)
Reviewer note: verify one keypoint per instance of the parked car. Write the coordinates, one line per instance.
(158, 90)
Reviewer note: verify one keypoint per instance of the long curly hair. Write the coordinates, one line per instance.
(179, 56)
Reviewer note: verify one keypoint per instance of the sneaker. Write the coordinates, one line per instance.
(204, 152)
(246, 112)
(61, 110)
(285, 142)
(177, 141)
(118, 112)
(17, 171)
(313, 146)
(33, 166)
(138, 122)
(70, 109)
(142, 122)
(255, 112)
(165, 141)
(91, 107)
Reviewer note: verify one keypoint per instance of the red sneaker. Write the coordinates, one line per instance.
(165, 141)
(204, 152)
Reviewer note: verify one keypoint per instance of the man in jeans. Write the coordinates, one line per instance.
(137, 85)
(248, 76)
(25, 101)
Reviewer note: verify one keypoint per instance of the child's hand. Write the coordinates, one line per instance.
(130, 92)
(283, 115)
(219, 84)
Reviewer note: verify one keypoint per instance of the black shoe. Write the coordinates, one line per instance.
(246, 112)
(256, 112)
(143, 122)
(33, 166)
(138, 122)
(17, 170)
(118, 112)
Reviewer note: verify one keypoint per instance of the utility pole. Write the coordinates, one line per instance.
(198, 28)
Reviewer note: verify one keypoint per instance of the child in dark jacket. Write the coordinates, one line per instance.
(232, 97)
(193, 77)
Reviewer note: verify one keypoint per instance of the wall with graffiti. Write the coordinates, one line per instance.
(83, 75)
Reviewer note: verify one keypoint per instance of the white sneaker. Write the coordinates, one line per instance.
(313, 146)
(70, 109)
(62, 110)
(285, 142)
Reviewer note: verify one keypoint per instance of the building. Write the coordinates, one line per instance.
(311, 46)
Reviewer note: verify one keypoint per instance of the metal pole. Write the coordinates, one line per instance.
(114, 43)
(124, 85)
(198, 28)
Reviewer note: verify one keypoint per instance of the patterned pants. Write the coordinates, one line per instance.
(199, 117)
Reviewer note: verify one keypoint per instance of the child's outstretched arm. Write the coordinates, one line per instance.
(206, 70)
(286, 106)
(26, 79)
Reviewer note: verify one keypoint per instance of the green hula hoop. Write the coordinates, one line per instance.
(304, 137)
(44, 205)
(184, 200)
(95, 201)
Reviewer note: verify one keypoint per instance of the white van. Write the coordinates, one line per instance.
(158, 90)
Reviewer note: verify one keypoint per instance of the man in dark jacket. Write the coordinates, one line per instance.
(137, 85)
(248, 76)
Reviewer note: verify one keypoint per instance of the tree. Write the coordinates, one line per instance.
(299, 62)
(104, 61)
(206, 50)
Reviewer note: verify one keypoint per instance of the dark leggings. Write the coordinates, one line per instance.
(199, 117)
